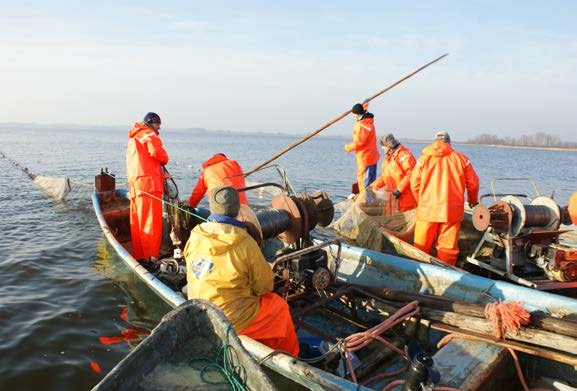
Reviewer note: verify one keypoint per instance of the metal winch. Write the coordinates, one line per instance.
(521, 242)
(290, 219)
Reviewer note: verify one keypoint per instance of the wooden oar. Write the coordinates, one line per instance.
(340, 117)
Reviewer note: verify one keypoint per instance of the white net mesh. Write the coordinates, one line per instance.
(65, 189)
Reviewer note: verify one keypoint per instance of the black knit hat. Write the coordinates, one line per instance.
(151, 118)
(358, 109)
(224, 200)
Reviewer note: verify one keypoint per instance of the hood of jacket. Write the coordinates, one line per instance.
(438, 148)
(138, 127)
(366, 116)
(213, 160)
(221, 237)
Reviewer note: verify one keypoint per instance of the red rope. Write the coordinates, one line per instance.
(397, 383)
(360, 340)
(506, 317)
(520, 373)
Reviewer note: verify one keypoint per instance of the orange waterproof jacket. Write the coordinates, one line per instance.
(396, 171)
(144, 157)
(218, 170)
(439, 181)
(364, 141)
(572, 208)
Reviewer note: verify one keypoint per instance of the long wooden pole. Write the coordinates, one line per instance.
(341, 117)
(519, 346)
(557, 325)
(538, 337)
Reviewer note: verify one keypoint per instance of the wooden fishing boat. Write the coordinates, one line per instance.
(518, 237)
(344, 297)
(372, 221)
(193, 347)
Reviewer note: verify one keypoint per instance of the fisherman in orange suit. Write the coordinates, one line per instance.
(365, 146)
(225, 265)
(438, 182)
(396, 171)
(218, 170)
(144, 158)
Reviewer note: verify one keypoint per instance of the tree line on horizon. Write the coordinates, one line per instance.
(539, 139)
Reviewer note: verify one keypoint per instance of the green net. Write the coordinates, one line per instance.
(370, 217)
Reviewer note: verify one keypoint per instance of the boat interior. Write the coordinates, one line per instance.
(360, 333)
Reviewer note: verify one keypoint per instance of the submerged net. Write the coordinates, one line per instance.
(64, 189)
(370, 216)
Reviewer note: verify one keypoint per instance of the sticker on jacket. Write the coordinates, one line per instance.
(202, 267)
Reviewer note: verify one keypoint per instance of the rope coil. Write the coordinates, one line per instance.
(233, 375)
(506, 317)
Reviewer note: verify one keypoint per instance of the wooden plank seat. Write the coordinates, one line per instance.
(470, 365)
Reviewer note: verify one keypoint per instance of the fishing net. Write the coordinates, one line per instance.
(369, 217)
(64, 189)
(181, 219)
(170, 188)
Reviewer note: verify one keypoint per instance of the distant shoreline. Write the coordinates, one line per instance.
(522, 147)
(498, 145)
(272, 134)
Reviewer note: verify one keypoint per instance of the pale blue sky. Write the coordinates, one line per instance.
(293, 66)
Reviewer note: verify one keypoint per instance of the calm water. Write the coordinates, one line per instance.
(61, 287)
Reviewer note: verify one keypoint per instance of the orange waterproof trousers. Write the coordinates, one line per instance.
(447, 239)
(273, 325)
(146, 225)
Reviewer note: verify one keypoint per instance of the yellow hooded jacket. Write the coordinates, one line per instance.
(225, 266)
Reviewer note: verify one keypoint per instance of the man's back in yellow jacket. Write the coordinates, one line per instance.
(225, 266)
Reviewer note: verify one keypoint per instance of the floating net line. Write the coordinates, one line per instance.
(61, 189)
(64, 189)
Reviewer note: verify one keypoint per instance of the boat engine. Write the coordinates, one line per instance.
(521, 242)
(308, 270)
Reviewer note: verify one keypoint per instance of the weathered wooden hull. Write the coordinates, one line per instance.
(369, 268)
(189, 338)
(361, 267)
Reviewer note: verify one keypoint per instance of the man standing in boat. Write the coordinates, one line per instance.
(218, 170)
(224, 265)
(145, 157)
(396, 171)
(365, 146)
(438, 182)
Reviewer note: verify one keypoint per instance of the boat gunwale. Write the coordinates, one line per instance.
(282, 360)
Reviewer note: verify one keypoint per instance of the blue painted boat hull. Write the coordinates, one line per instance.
(365, 268)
